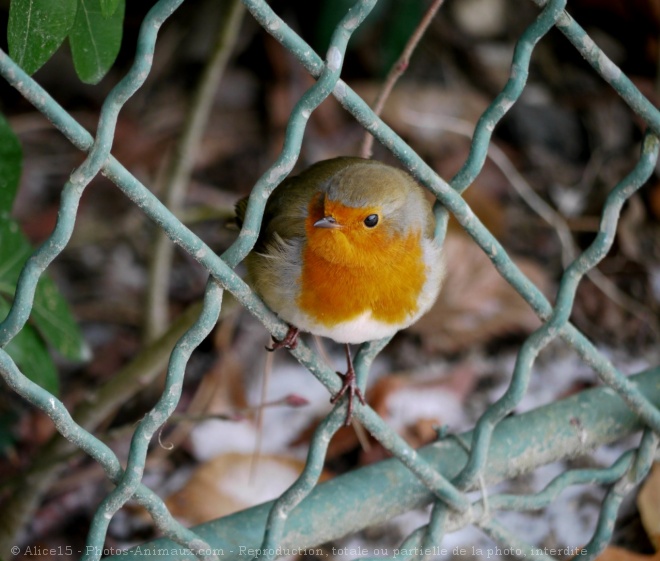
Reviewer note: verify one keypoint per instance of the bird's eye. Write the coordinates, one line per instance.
(371, 220)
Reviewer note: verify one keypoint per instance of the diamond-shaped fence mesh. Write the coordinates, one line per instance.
(499, 447)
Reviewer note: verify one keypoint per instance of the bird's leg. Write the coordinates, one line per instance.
(290, 341)
(349, 387)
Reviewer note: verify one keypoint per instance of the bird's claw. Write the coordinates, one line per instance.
(351, 389)
(290, 340)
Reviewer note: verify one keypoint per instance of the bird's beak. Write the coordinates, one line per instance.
(327, 222)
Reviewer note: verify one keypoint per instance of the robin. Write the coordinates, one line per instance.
(346, 251)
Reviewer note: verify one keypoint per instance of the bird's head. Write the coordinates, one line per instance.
(364, 212)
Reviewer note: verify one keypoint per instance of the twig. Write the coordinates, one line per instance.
(259, 421)
(180, 167)
(239, 414)
(538, 205)
(397, 71)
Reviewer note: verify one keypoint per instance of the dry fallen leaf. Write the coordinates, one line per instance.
(648, 503)
(614, 553)
(654, 200)
(224, 485)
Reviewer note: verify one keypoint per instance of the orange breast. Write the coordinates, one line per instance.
(383, 275)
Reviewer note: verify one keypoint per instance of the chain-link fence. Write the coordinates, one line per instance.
(499, 447)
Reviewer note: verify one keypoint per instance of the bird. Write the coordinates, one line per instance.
(346, 250)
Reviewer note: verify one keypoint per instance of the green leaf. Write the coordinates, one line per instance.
(50, 314)
(53, 318)
(95, 39)
(11, 160)
(36, 28)
(31, 355)
(108, 7)
(14, 250)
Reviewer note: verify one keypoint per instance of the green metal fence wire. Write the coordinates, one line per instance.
(496, 449)
(379, 492)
